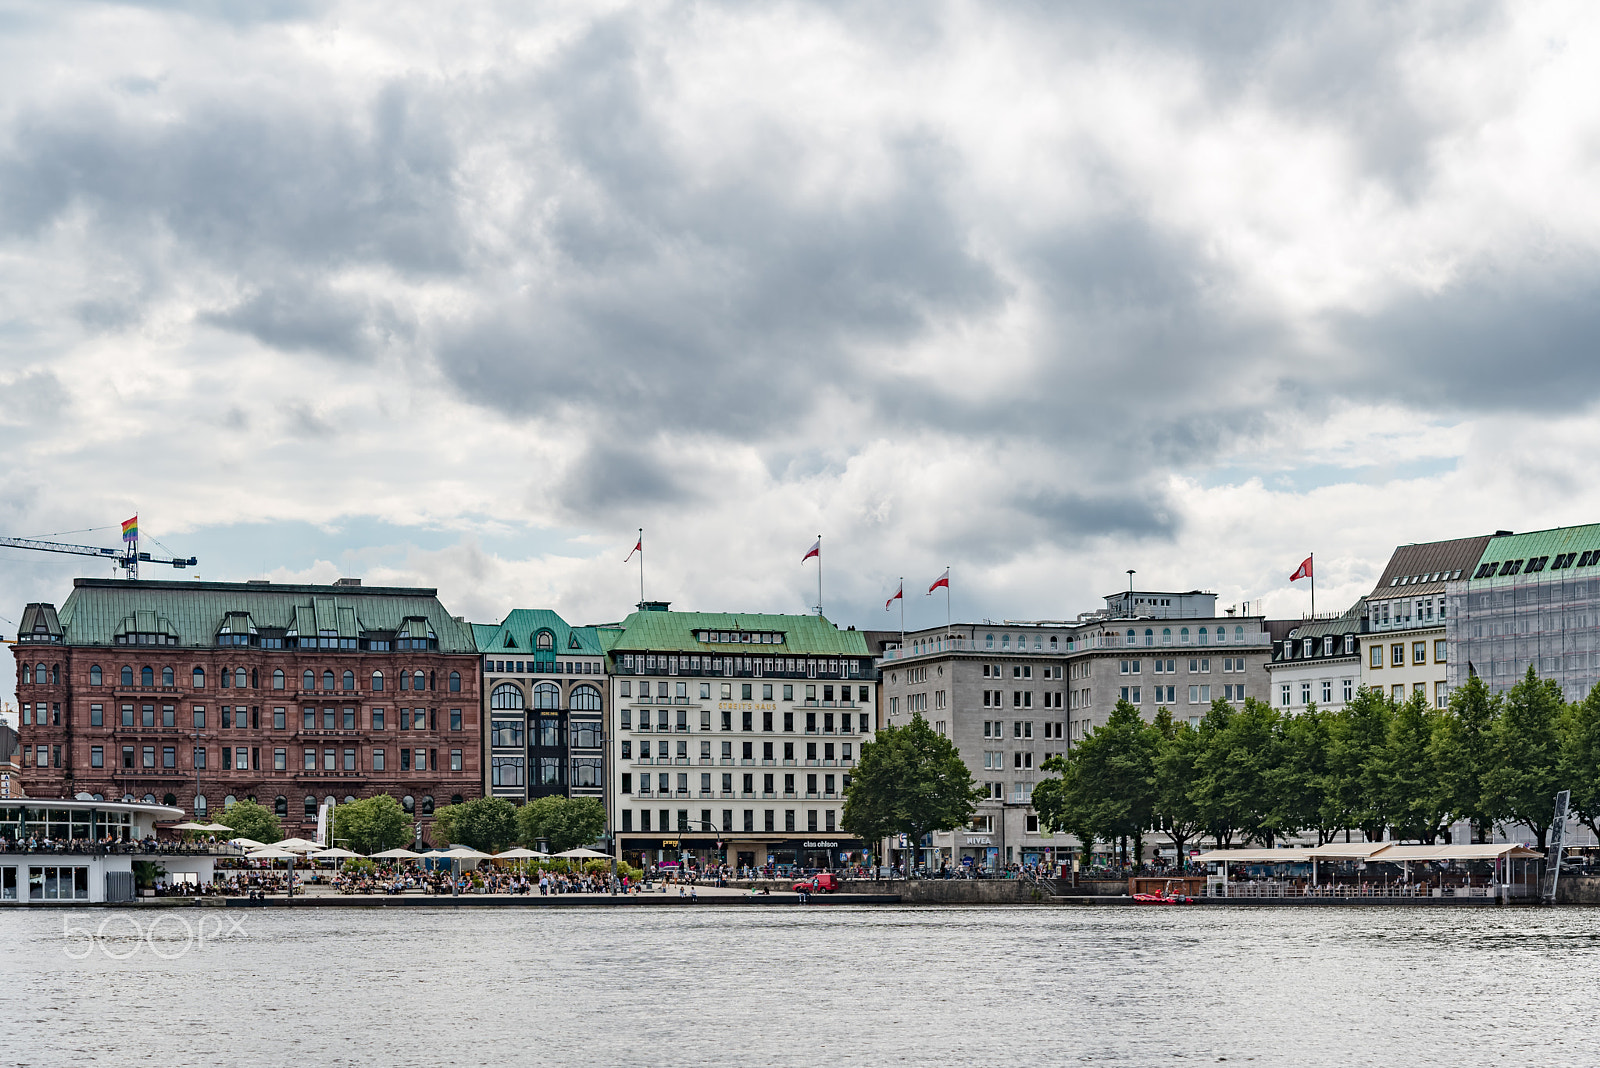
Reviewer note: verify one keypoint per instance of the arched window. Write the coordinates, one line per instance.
(168, 678)
(1183, 635)
(545, 640)
(548, 695)
(240, 679)
(228, 801)
(349, 799)
(1238, 634)
(1005, 641)
(277, 678)
(507, 695)
(585, 699)
(225, 678)
(149, 799)
(427, 804)
(349, 680)
(94, 675)
(170, 800)
(455, 799)
(311, 807)
(419, 682)
(147, 676)
(1166, 635)
(199, 678)
(1053, 645)
(1131, 639)
(41, 675)
(1202, 636)
(455, 682)
(327, 681)
(1149, 636)
(377, 682)
(308, 681)
(405, 681)
(55, 674)
(199, 805)
(280, 806)
(408, 803)
(988, 641)
(1222, 634)
(127, 675)
(329, 801)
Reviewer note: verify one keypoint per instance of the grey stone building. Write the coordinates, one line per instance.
(1010, 695)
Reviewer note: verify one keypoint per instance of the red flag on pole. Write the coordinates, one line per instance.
(899, 593)
(815, 550)
(1304, 572)
(942, 580)
(637, 548)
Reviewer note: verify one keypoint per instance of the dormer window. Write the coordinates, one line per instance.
(545, 641)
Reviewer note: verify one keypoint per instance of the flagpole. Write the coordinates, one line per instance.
(641, 569)
(902, 615)
(1313, 559)
(819, 576)
(947, 602)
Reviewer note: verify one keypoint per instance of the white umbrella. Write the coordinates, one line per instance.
(247, 843)
(464, 853)
(584, 854)
(520, 853)
(192, 826)
(333, 854)
(272, 853)
(216, 828)
(298, 845)
(396, 854)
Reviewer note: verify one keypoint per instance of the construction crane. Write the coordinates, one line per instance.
(128, 557)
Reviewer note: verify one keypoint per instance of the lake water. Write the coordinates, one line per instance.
(815, 986)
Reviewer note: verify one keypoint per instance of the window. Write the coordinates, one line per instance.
(509, 696)
(308, 681)
(1397, 655)
(546, 695)
(1419, 652)
(199, 678)
(1376, 657)
(168, 678)
(455, 682)
(127, 675)
(587, 699)
(277, 679)
(377, 760)
(97, 757)
(1439, 650)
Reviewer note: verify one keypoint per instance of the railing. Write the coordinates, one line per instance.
(100, 849)
(1243, 891)
(1109, 640)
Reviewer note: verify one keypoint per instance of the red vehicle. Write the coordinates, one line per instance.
(821, 883)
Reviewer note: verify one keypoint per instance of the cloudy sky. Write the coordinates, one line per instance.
(463, 295)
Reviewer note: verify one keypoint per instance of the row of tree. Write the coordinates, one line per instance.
(489, 824)
(1252, 774)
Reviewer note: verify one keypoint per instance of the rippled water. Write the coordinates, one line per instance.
(807, 986)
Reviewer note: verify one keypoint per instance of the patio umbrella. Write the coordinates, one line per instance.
(583, 854)
(396, 854)
(191, 826)
(333, 854)
(271, 853)
(520, 853)
(298, 845)
(465, 853)
(247, 843)
(217, 828)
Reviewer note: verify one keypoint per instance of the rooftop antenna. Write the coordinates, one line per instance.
(1131, 573)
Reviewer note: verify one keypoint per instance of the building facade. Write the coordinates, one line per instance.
(733, 737)
(193, 694)
(1318, 663)
(1010, 696)
(1406, 649)
(1529, 599)
(544, 701)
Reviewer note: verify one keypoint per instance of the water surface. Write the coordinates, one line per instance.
(815, 986)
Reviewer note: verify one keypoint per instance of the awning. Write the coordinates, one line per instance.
(1254, 856)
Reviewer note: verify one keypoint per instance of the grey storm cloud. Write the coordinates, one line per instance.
(625, 283)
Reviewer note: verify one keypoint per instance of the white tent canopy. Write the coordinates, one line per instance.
(1378, 852)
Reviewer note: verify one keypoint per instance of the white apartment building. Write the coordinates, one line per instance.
(1405, 649)
(1318, 663)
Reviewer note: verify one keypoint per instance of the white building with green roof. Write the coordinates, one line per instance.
(733, 737)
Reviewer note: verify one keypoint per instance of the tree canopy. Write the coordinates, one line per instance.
(487, 824)
(910, 780)
(561, 822)
(372, 824)
(253, 821)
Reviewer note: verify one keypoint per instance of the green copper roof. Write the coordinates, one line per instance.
(679, 632)
(518, 635)
(1522, 551)
(196, 612)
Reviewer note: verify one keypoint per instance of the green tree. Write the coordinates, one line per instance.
(1299, 780)
(373, 824)
(910, 780)
(1176, 770)
(1461, 754)
(1580, 758)
(561, 822)
(1106, 789)
(1236, 768)
(1402, 776)
(253, 821)
(486, 824)
(1359, 732)
(1524, 755)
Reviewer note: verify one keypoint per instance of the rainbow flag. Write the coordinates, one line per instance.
(130, 529)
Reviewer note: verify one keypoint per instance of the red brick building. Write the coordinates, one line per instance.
(198, 693)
